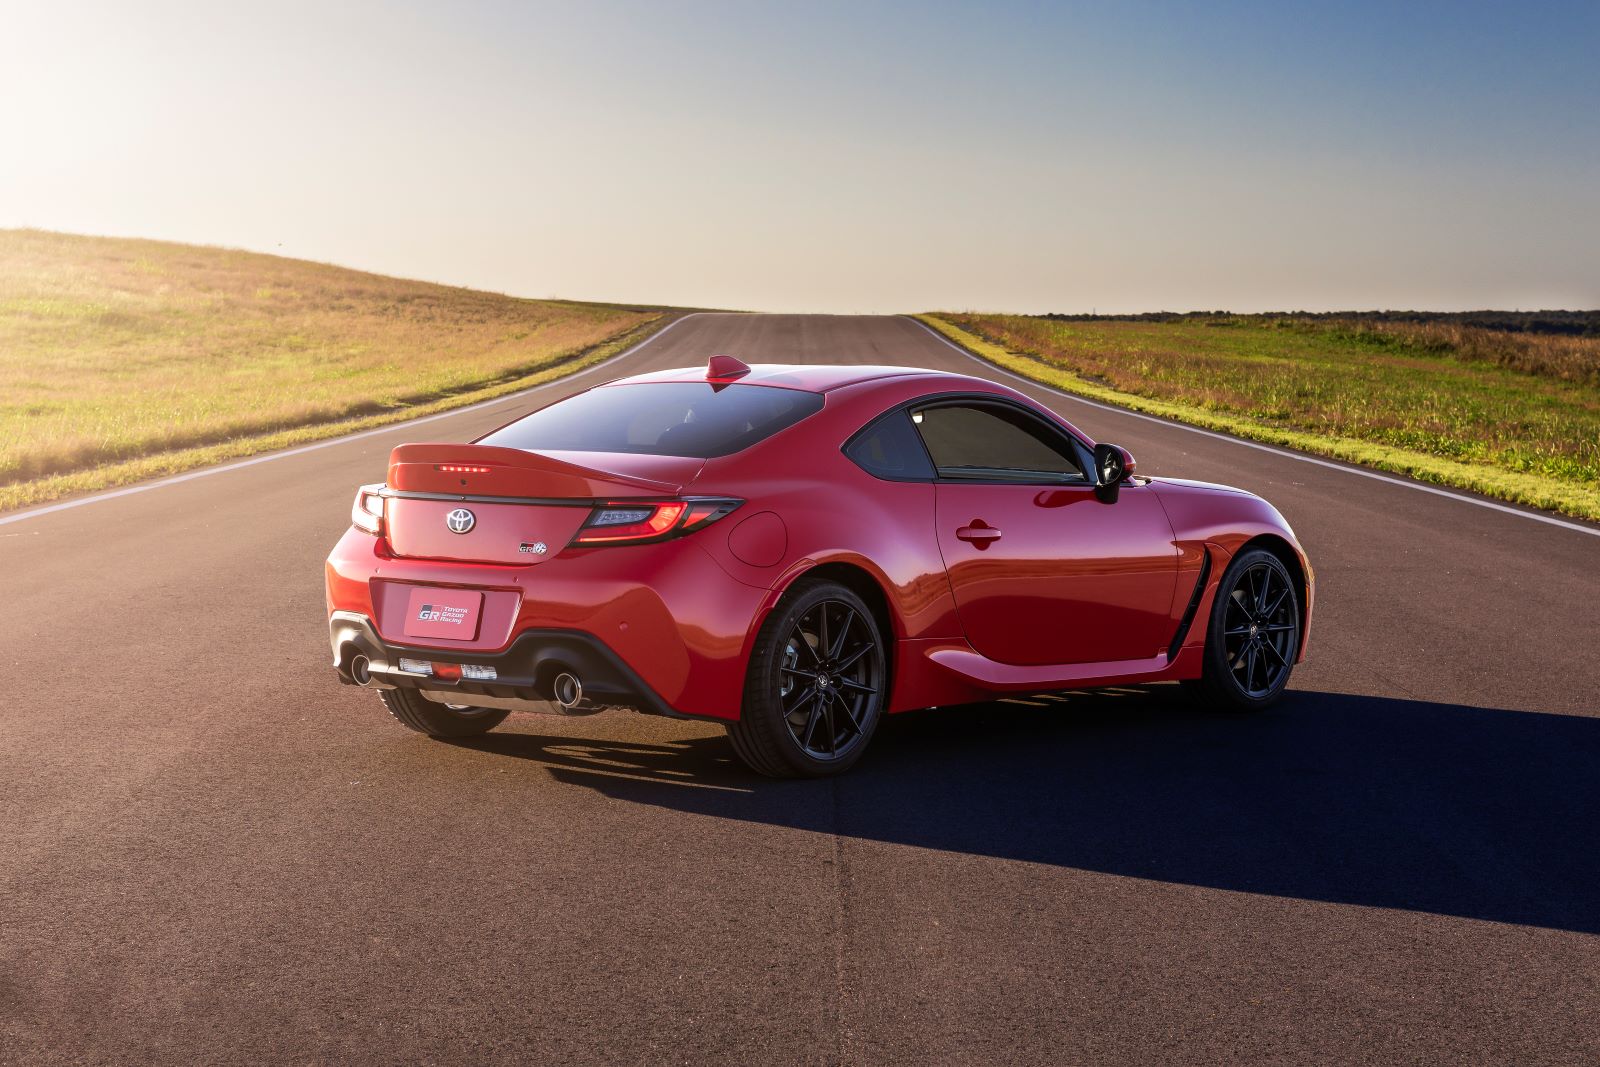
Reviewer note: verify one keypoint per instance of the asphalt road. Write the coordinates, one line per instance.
(210, 852)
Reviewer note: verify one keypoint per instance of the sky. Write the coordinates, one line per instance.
(852, 157)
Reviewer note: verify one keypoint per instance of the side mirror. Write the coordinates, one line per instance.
(1112, 465)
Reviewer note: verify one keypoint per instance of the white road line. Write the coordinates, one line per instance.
(1361, 472)
(207, 472)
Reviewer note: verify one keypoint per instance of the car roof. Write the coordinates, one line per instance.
(811, 377)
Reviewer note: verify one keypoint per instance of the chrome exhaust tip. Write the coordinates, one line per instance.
(361, 670)
(567, 690)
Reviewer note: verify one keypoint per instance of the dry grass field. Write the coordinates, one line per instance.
(1515, 415)
(127, 359)
(117, 350)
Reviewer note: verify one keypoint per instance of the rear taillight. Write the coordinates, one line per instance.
(367, 512)
(638, 521)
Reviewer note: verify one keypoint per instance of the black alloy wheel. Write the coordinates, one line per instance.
(827, 682)
(1254, 634)
(815, 687)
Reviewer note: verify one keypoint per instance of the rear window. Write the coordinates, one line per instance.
(660, 419)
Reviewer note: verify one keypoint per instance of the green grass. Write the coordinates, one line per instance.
(1398, 400)
(124, 359)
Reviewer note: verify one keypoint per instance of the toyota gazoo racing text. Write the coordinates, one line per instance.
(794, 552)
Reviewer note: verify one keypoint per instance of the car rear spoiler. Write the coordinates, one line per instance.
(490, 470)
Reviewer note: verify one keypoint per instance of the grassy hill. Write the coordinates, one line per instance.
(1498, 403)
(124, 359)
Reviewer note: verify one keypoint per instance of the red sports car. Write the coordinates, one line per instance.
(793, 552)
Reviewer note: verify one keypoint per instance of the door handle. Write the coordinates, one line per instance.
(978, 533)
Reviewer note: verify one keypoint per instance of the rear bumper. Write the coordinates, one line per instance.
(524, 673)
(664, 625)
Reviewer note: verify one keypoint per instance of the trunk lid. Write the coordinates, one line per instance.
(520, 507)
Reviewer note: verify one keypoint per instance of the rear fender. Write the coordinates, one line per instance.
(799, 569)
(899, 663)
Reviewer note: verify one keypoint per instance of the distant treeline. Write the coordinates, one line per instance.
(1568, 323)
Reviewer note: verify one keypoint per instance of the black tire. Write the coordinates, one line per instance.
(1253, 635)
(416, 712)
(816, 685)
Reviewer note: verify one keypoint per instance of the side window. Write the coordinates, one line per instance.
(888, 448)
(994, 442)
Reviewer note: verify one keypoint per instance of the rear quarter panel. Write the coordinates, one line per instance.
(832, 511)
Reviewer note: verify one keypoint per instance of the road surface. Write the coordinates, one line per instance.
(210, 852)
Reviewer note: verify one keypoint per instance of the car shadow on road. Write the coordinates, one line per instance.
(1454, 810)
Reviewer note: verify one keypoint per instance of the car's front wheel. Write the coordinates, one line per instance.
(1253, 636)
(413, 710)
(816, 685)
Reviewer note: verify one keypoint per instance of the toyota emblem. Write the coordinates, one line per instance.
(460, 520)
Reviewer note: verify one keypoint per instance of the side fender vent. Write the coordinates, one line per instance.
(1194, 604)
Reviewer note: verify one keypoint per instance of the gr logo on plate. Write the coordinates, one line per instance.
(434, 612)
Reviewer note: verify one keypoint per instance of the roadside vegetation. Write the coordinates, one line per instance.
(125, 359)
(1509, 412)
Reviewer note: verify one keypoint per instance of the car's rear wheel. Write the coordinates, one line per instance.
(816, 685)
(1253, 637)
(416, 712)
